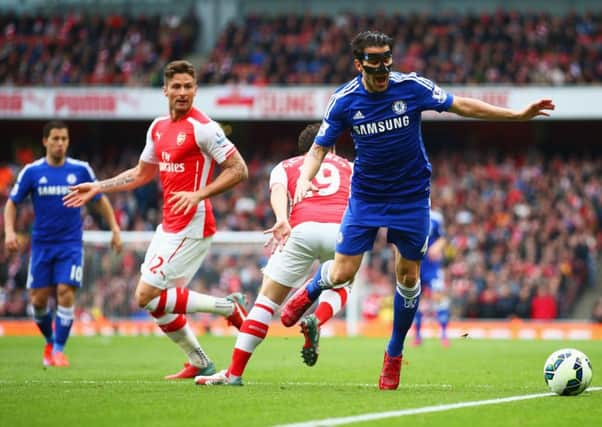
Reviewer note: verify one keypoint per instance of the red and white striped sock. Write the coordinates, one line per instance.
(252, 332)
(331, 301)
(183, 300)
(176, 327)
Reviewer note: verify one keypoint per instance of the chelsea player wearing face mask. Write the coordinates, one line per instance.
(390, 186)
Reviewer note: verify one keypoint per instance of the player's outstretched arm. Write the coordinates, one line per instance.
(234, 170)
(476, 109)
(81, 194)
(311, 164)
(281, 230)
(106, 210)
(11, 242)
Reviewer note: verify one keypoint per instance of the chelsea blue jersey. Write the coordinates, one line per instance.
(53, 222)
(391, 162)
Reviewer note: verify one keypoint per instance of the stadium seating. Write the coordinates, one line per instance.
(519, 228)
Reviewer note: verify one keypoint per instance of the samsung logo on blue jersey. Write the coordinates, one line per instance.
(53, 190)
(382, 126)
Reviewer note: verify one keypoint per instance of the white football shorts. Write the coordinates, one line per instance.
(172, 259)
(308, 241)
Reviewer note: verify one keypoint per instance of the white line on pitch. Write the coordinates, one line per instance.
(327, 422)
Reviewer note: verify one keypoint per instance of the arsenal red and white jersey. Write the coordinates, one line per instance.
(329, 202)
(186, 151)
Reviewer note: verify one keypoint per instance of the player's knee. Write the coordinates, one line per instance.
(409, 280)
(142, 298)
(340, 275)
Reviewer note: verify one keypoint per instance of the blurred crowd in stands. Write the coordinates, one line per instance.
(80, 49)
(502, 47)
(524, 230)
(523, 238)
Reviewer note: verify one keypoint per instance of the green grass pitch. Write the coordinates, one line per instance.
(117, 381)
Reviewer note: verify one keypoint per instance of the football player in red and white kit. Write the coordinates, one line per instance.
(309, 233)
(183, 149)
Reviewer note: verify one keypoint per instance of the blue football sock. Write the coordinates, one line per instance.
(319, 282)
(404, 310)
(43, 319)
(443, 319)
(64, 320)
(418, 323)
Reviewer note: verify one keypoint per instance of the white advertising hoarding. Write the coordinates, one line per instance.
(303, 103)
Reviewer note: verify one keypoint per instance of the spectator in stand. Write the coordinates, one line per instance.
(544, 305)
(500, 47)
(89, 49)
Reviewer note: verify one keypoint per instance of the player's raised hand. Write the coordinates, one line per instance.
(303, 189)
(11, 242)
(538, 108)
(80, 194)
(183, 201)
(280, 234)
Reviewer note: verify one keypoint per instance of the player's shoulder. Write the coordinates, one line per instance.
(346, 91)
(338, 160)
(197, 116)
(410, 79)
(33, 166)
(351, 86)
(291, 162)
(77, 163)
(41, 162)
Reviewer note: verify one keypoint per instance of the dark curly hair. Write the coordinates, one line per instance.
(368, 39)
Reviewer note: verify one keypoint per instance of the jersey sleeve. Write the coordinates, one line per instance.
(23, 185)
(278, 176)
(148, 153)
(211, 139)
(430, 96)
(333, 122)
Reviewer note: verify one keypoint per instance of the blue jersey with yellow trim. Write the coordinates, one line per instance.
(53, 222)
(391, 162)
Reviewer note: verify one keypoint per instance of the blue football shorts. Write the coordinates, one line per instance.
(50, 265)
(408, 226)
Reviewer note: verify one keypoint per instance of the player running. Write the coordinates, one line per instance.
(183, 149)
(391, 177)
(309, 233)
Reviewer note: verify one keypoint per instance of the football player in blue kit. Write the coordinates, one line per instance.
(433, 282)
(390, 186)
(56, 260)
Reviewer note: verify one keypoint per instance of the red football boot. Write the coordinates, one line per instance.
(191, 371)
(295, 307)
(389, 376)
(240, 311)
(47, 360)
(60, 360)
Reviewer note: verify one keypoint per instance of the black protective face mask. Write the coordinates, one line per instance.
(377, 58)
